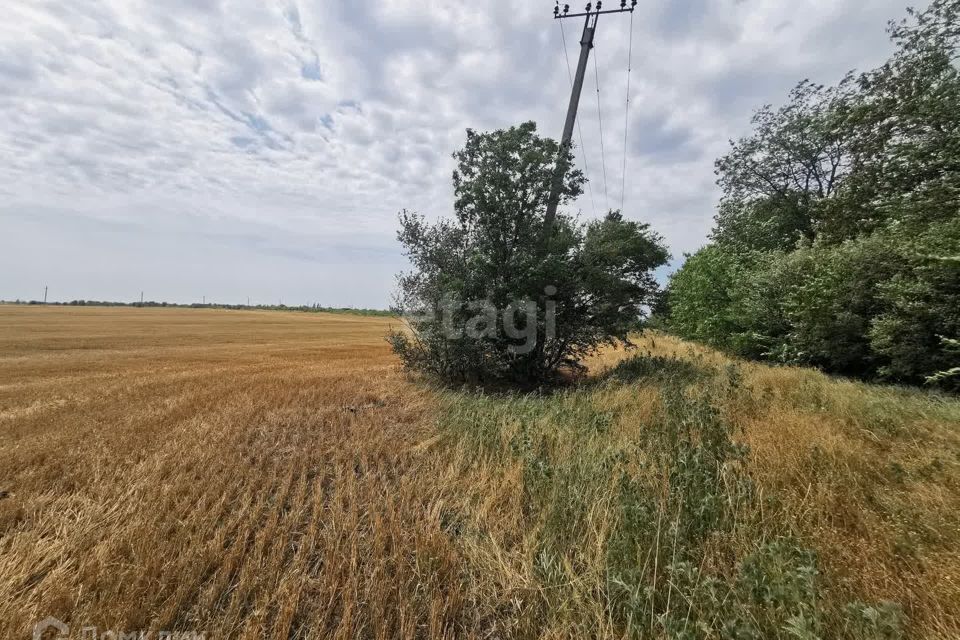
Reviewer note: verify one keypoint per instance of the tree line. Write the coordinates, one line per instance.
(836, 242)
(315, 308)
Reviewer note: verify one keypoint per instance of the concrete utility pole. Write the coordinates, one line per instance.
(590, 17)
(45, 287)
(141, 298)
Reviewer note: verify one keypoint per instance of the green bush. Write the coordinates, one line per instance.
(922, 309)
(501, 295)
(837, 241)
(835, 296)
(657, 368)
(701, 297)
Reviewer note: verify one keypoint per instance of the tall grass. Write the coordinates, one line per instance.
(639, 523)
(274, 475)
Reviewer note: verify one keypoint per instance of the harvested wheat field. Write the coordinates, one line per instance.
(265, 474)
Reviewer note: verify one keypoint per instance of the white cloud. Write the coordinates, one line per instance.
(215, 138)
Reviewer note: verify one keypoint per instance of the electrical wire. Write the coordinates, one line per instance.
(586, 170)
(626, 117)
(603, 159)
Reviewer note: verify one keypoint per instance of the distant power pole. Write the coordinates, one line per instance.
(204, 299)
(248, 301)
(590, 17)
(141, 298)
(45, 287)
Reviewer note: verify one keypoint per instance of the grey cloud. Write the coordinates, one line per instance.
(655, 136)
(683, 18)
(267, 142)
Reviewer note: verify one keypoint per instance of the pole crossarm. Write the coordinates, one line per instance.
(559, 13)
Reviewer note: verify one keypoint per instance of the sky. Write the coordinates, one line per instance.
(262, 149)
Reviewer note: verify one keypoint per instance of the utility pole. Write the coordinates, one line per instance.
(590, 17)
(141, 298)
(45, 287)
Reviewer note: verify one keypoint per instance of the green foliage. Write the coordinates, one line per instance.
(922, 308)
(773, 594)
(883, 621)
(775, 224)
(493, 298)
(701, 297)
(706, 480)
(731, 300)
(951, 374)
(657, 368)
(904, 133)
(831, 301)
(837, 242)
(774, 181)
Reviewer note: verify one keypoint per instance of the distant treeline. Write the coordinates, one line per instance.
(315, 308)
(837, 238)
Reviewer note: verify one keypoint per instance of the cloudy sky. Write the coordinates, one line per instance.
(260, 148)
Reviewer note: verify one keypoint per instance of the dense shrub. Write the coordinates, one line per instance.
(837, 241)
(499, 295)
(701, 297)
(832, 298)
(921, 308)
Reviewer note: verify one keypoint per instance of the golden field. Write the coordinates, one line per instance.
(275, 475)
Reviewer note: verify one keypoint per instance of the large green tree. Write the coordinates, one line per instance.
(775, 180)
(904, 132)
(493, 296)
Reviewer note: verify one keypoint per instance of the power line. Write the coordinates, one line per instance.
(583, 149)
(626, 117)
(603, 158)
(590, 17)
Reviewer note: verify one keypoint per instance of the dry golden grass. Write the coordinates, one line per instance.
(238, 473)
(268, 474)
(868, 476)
